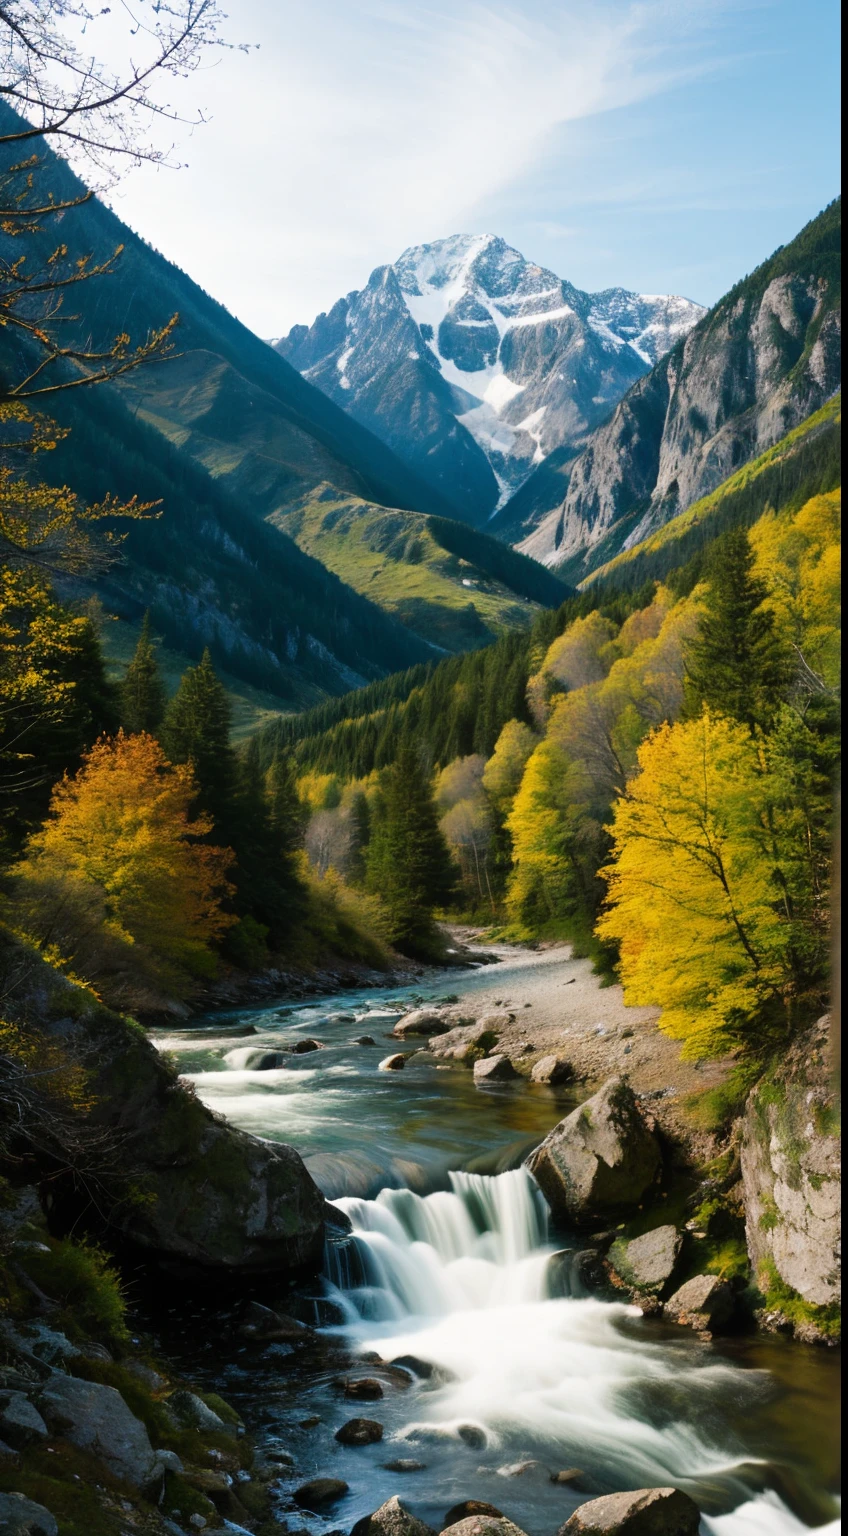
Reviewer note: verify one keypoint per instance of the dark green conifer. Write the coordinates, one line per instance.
(409, 866)
(143, 696)
(196, 730)
(738, 664)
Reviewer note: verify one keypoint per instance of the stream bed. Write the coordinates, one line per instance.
(519, 1370)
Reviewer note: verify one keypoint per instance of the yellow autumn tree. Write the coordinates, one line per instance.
(798, 559)
(119, 881)
(708, 891)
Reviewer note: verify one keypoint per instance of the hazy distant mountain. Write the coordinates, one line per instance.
(473, 364)
(765, 357)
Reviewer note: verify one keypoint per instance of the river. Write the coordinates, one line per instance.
(453, 1263)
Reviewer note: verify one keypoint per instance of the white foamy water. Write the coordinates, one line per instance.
(463, 1280)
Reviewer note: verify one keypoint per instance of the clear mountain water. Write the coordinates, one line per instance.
(452, 1262)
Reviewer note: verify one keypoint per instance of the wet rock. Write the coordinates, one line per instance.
(494, 1069)
(553, 1070)
(365, 1040)
(391, 1519)
(529, 1469)
(469, 1507)
(20, 1516)
(473, 1435)
(567, 1475)
(303, 1047)
(425, 1370)
(404, 1464)
(320, 1492)
(362, 1387)
(96, 1419)
(422, 1021)
(705, 1303)
(394, 1063)
(646, 1263)
(260, 1322)
(20, 1422)
(648, 1512)
(384, 1019)
(485, 1525)
(360, 1432)
(601, 1159)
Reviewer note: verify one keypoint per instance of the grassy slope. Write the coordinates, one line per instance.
(805, 451)
(393, 558)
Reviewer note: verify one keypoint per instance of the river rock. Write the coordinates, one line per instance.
(20, 1422)
(303, 1047)
(422, 1021)
(320, 1492)
(395, 1063)
(464, 1043)
(791, 1174)
(187, 1408)
(648, 1512)
(494, 1069)
(705, 1303)
(260, 1322)
(470, 1507)
(96, 1419)
(553, 1070)
(404, 1464)
(485, 1525)
(391, 1519)
(20, 1516)
(599, 1160)
(360, 1432)
(365, 1040)
(363, 1387)
(646, 1263)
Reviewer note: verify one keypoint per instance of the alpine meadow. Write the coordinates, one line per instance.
(419, 769)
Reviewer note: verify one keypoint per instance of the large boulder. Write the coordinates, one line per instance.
(391, 1519)
(494, 1069)
(20, 1421)
(705, 1303)
(213, 1195)
(96, 1419)
(648, 1512)
(791, 1175)
(320, 1492)
(20, 1516)
(646, 1263)
(467, 1042)
(422, 1021)
(485, 1525)
(552, 1070)
(600, 1160)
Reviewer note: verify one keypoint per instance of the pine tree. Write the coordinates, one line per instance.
(409, 866)
(196, 730)
(739, 665)
(143, 694)
(269, 830)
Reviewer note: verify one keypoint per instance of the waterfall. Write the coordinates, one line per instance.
(462, 1279)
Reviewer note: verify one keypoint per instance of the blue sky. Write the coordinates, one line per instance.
(663, 145)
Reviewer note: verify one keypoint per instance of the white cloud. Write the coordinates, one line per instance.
(360, 128)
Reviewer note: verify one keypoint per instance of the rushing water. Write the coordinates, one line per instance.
(451, 1262)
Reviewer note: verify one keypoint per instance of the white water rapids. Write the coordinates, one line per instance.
(462, 1280)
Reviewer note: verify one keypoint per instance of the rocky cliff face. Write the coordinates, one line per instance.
(791, 1175)
(762, 360)
(473, 364)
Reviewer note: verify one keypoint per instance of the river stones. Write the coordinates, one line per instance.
(646, 1263)
(464, 1043)
(365, 1040)
(395, 1063)
(704, 1303)
(360, 1432)
(494, 1069)
(391, 1519)
(303, 1047)
(469, 1507)
(260, 1322)
(320, 1492)
(361, 1387)
(553, 1070)
(600, 1160)
(648, 1512)
(422, 1021)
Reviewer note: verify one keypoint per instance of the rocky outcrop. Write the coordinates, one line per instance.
(96, 1418)
(176, 1179)
(648, 1512)
(705, 1303)
(599, 1160)
(791, 1175)
(646, 1263)
(762, 360)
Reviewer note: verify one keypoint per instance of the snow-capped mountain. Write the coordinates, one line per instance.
(473, 363)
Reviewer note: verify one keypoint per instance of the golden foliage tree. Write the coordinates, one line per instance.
(709, 889)
(118, 881)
